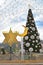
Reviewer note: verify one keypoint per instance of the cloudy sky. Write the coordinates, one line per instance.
(13, 14)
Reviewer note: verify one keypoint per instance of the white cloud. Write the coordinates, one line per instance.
(18, 38)
(40, 30)
(2, 1)
(1, 37)
(15, 9)
(39, 18)
(20, 29)
(14, 28)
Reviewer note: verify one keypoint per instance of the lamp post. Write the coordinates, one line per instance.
(10, 53)
(22, 50)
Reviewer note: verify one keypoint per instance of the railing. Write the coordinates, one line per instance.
(18, 56)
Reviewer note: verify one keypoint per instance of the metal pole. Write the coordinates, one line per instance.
(10, 53)
(22, 50)
(30, 55)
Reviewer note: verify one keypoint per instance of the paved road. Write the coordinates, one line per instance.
(17, 64)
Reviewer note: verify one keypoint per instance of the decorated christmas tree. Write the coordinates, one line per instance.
(31, 40)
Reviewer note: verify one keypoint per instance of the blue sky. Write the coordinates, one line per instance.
(13, 13)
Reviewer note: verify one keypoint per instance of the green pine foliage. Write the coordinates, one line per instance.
(31, 40)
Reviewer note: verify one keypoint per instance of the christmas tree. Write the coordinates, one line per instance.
(31, 40)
